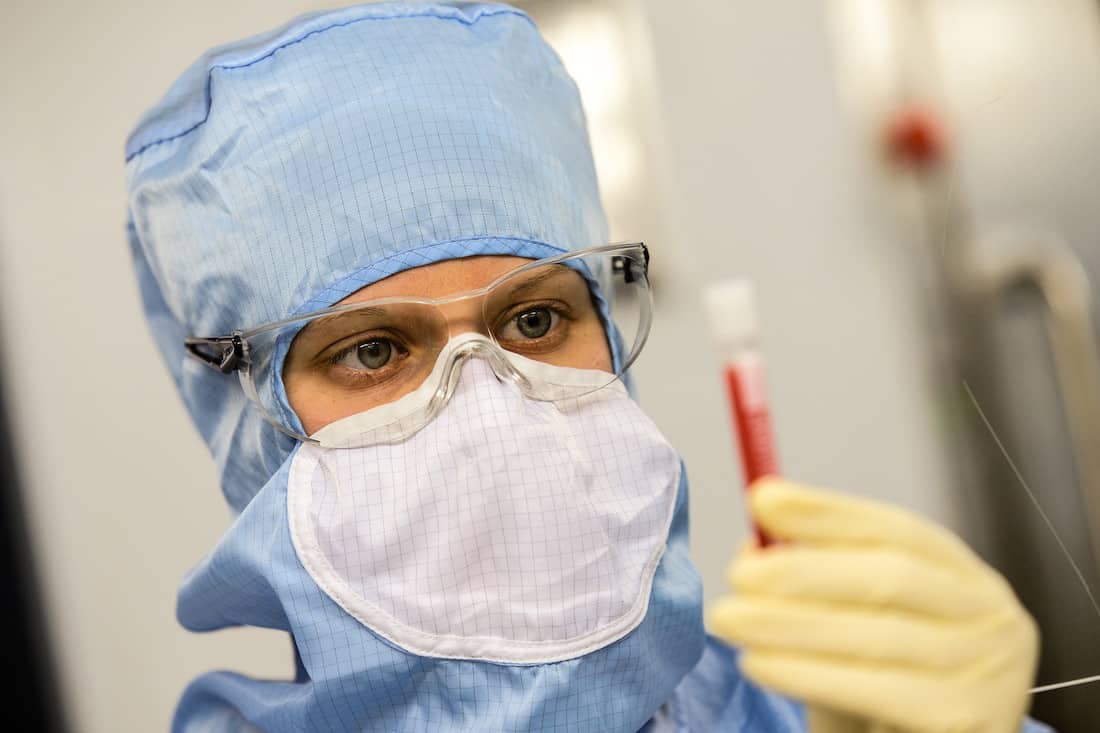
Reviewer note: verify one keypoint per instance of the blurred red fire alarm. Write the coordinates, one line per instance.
(915, 137)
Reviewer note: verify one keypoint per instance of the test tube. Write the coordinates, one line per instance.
(731, 306)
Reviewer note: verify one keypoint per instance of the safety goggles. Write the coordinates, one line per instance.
(394, 359)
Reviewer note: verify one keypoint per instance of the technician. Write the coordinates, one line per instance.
(373, 257)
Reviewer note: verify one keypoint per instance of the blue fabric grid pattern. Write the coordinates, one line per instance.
(359, 682)
(278, 170)
(278, 175)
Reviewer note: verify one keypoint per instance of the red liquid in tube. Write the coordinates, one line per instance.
(752, 420)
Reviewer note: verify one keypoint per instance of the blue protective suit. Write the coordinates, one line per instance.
(283, 173)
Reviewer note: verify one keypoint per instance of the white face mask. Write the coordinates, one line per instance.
(506, 530)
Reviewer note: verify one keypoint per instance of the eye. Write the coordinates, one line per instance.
(372, 354)
(535, 322)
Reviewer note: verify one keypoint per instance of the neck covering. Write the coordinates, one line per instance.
(282, 173)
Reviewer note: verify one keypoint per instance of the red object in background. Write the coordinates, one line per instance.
(915, 136)
(752, 418)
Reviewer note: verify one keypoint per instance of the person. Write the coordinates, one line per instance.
(373, 257)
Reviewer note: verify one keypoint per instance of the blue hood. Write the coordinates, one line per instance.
(282, 173)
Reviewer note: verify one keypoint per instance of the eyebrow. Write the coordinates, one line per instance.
(551, 272)
(319, 324)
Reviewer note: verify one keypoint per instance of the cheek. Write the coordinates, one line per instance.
(595, 359)
(605, 360)
(308, 402)
(603, 357)
(596, 350)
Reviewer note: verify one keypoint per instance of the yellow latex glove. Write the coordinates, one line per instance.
(876, 619)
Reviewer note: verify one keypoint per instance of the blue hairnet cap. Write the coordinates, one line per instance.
(284, 172)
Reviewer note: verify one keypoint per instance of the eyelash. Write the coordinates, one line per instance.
(338, 356)
(561, 309)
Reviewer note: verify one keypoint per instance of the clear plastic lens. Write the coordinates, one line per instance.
(589, 312)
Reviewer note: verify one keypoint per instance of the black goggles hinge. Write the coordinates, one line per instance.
(223, 353)
(626, 266)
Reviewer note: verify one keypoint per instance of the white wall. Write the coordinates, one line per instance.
(763, 178)
(121, 491)
(755, 177)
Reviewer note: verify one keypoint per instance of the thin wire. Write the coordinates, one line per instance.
(944, 235)
(1053, 531)
(1034, 500)
(1060, 685)
(1080, 576)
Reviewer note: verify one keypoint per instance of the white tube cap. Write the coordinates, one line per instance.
(731, 310)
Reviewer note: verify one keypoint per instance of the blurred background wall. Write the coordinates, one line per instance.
(736, 138)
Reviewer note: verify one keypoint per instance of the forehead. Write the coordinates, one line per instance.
(439, 279)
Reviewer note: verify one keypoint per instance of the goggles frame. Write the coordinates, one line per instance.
(232, 353)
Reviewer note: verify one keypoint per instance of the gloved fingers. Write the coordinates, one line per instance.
(789, 511)
(913, 701)
(884, 637)
(884, 577)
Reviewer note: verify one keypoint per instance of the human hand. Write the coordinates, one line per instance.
(876, 618)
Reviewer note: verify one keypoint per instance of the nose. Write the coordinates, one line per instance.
(469, 346)
(465, 316)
